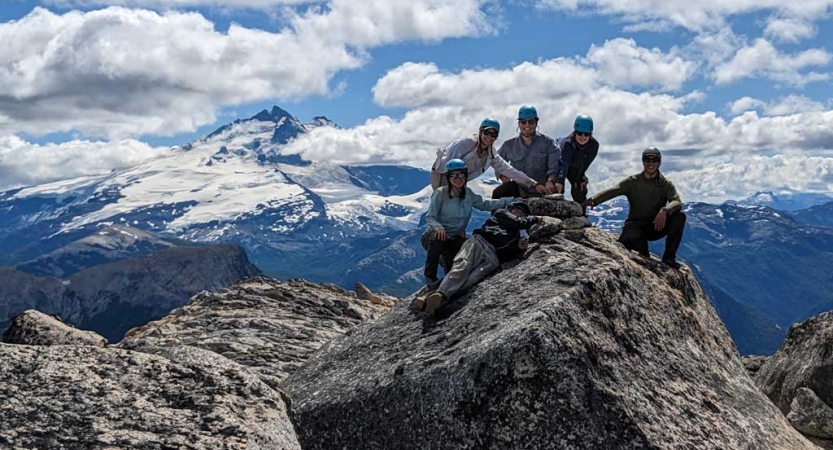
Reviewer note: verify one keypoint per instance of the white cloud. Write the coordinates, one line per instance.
(621, 62)
(791, 104)
(445, 105)
(789, 29)
(695, 15)
(26, 164)
(762, 59)
(174, 4)
(122, 72)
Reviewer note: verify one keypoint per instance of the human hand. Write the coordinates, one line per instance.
(559, 188)
(441, 235)
(659, 220)
(503, 179)
(589, 202)
(541, 189)
(582, 186)
(550, 185)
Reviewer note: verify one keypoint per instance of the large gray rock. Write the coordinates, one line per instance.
(810, 415)
(579, 346)
(804, 360)
(66, 397)
(555, 206)
(265, 324)
(36, 328)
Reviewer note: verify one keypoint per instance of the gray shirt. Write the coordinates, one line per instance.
(538, 161)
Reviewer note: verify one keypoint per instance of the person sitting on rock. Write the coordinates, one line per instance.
(497, 241)
(654, 209)
(532, 153)
(479, 154)
(447, 218)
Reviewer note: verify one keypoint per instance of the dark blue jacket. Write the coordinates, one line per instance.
(575, 160)
(503, 231)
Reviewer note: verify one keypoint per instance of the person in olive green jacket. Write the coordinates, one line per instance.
(654, 211)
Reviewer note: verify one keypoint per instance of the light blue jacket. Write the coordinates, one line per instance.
(453, 214)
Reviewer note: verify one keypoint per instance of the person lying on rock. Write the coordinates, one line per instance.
(497, 241)
(531, 152)
(447, 218)
(478, 152)
(654, 209)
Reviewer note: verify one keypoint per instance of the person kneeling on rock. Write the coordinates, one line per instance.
(654, 209)
(497, 241)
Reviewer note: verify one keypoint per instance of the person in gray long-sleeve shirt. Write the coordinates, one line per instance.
(531, 152)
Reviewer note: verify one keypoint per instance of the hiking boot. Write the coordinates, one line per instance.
(432, 283)
(433, 303)
(420, 304)
(672, 263)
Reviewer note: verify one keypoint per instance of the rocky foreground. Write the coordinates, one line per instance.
(582, 345)
(270, 326)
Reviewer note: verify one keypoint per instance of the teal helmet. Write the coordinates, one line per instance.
(456, 164)
(584, 123)
(490, 123)
(520, 204)
(527, 112)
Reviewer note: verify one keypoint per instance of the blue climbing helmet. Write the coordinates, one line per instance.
(490, 123)
(520, 204)
(584, 123)
(456, 164)
(527, 112)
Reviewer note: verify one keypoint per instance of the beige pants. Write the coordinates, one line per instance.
(475, 261)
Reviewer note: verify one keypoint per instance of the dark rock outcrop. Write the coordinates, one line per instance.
(69, 397)
(270, 326)
(36, 328)
(805, 360)
(113, 298)
(799, 377)
(753, 363)
(582, 345)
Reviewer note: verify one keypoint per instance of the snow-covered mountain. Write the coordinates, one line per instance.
(295, 218)
(784, 201)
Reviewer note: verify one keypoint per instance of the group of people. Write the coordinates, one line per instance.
(531, 164)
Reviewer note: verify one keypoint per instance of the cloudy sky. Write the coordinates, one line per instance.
(736, 92)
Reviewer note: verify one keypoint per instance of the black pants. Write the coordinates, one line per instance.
(439, 252)
(510, 189)
(578, 195)
(636, 234)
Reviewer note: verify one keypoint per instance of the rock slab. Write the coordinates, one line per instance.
(579, 346)
(36, 328)
(66, 397)
(810, 415)
(267, 325)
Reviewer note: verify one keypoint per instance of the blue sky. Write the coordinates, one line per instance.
(738, 92)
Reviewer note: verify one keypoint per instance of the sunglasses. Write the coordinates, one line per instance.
(491, 133)
(459, 175)
(583, 134)
(527, 121)
(650, 160)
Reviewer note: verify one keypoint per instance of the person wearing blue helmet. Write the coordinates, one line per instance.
(578, 150)
(497, 241)
(531, 152)
(448, 216)
(479, 154)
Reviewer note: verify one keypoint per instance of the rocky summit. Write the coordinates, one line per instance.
(270, 326)
(580, 345)
(799, 377)
(73, 397)
(36, 328)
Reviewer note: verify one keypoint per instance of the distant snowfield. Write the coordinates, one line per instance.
(221, 179)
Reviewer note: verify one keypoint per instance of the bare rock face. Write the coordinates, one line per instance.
(810, 415)
(805, 360)
(555, 206)
(36, 328)
(67, 397)
(579, 346)
(270, 326)
(753, 363)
